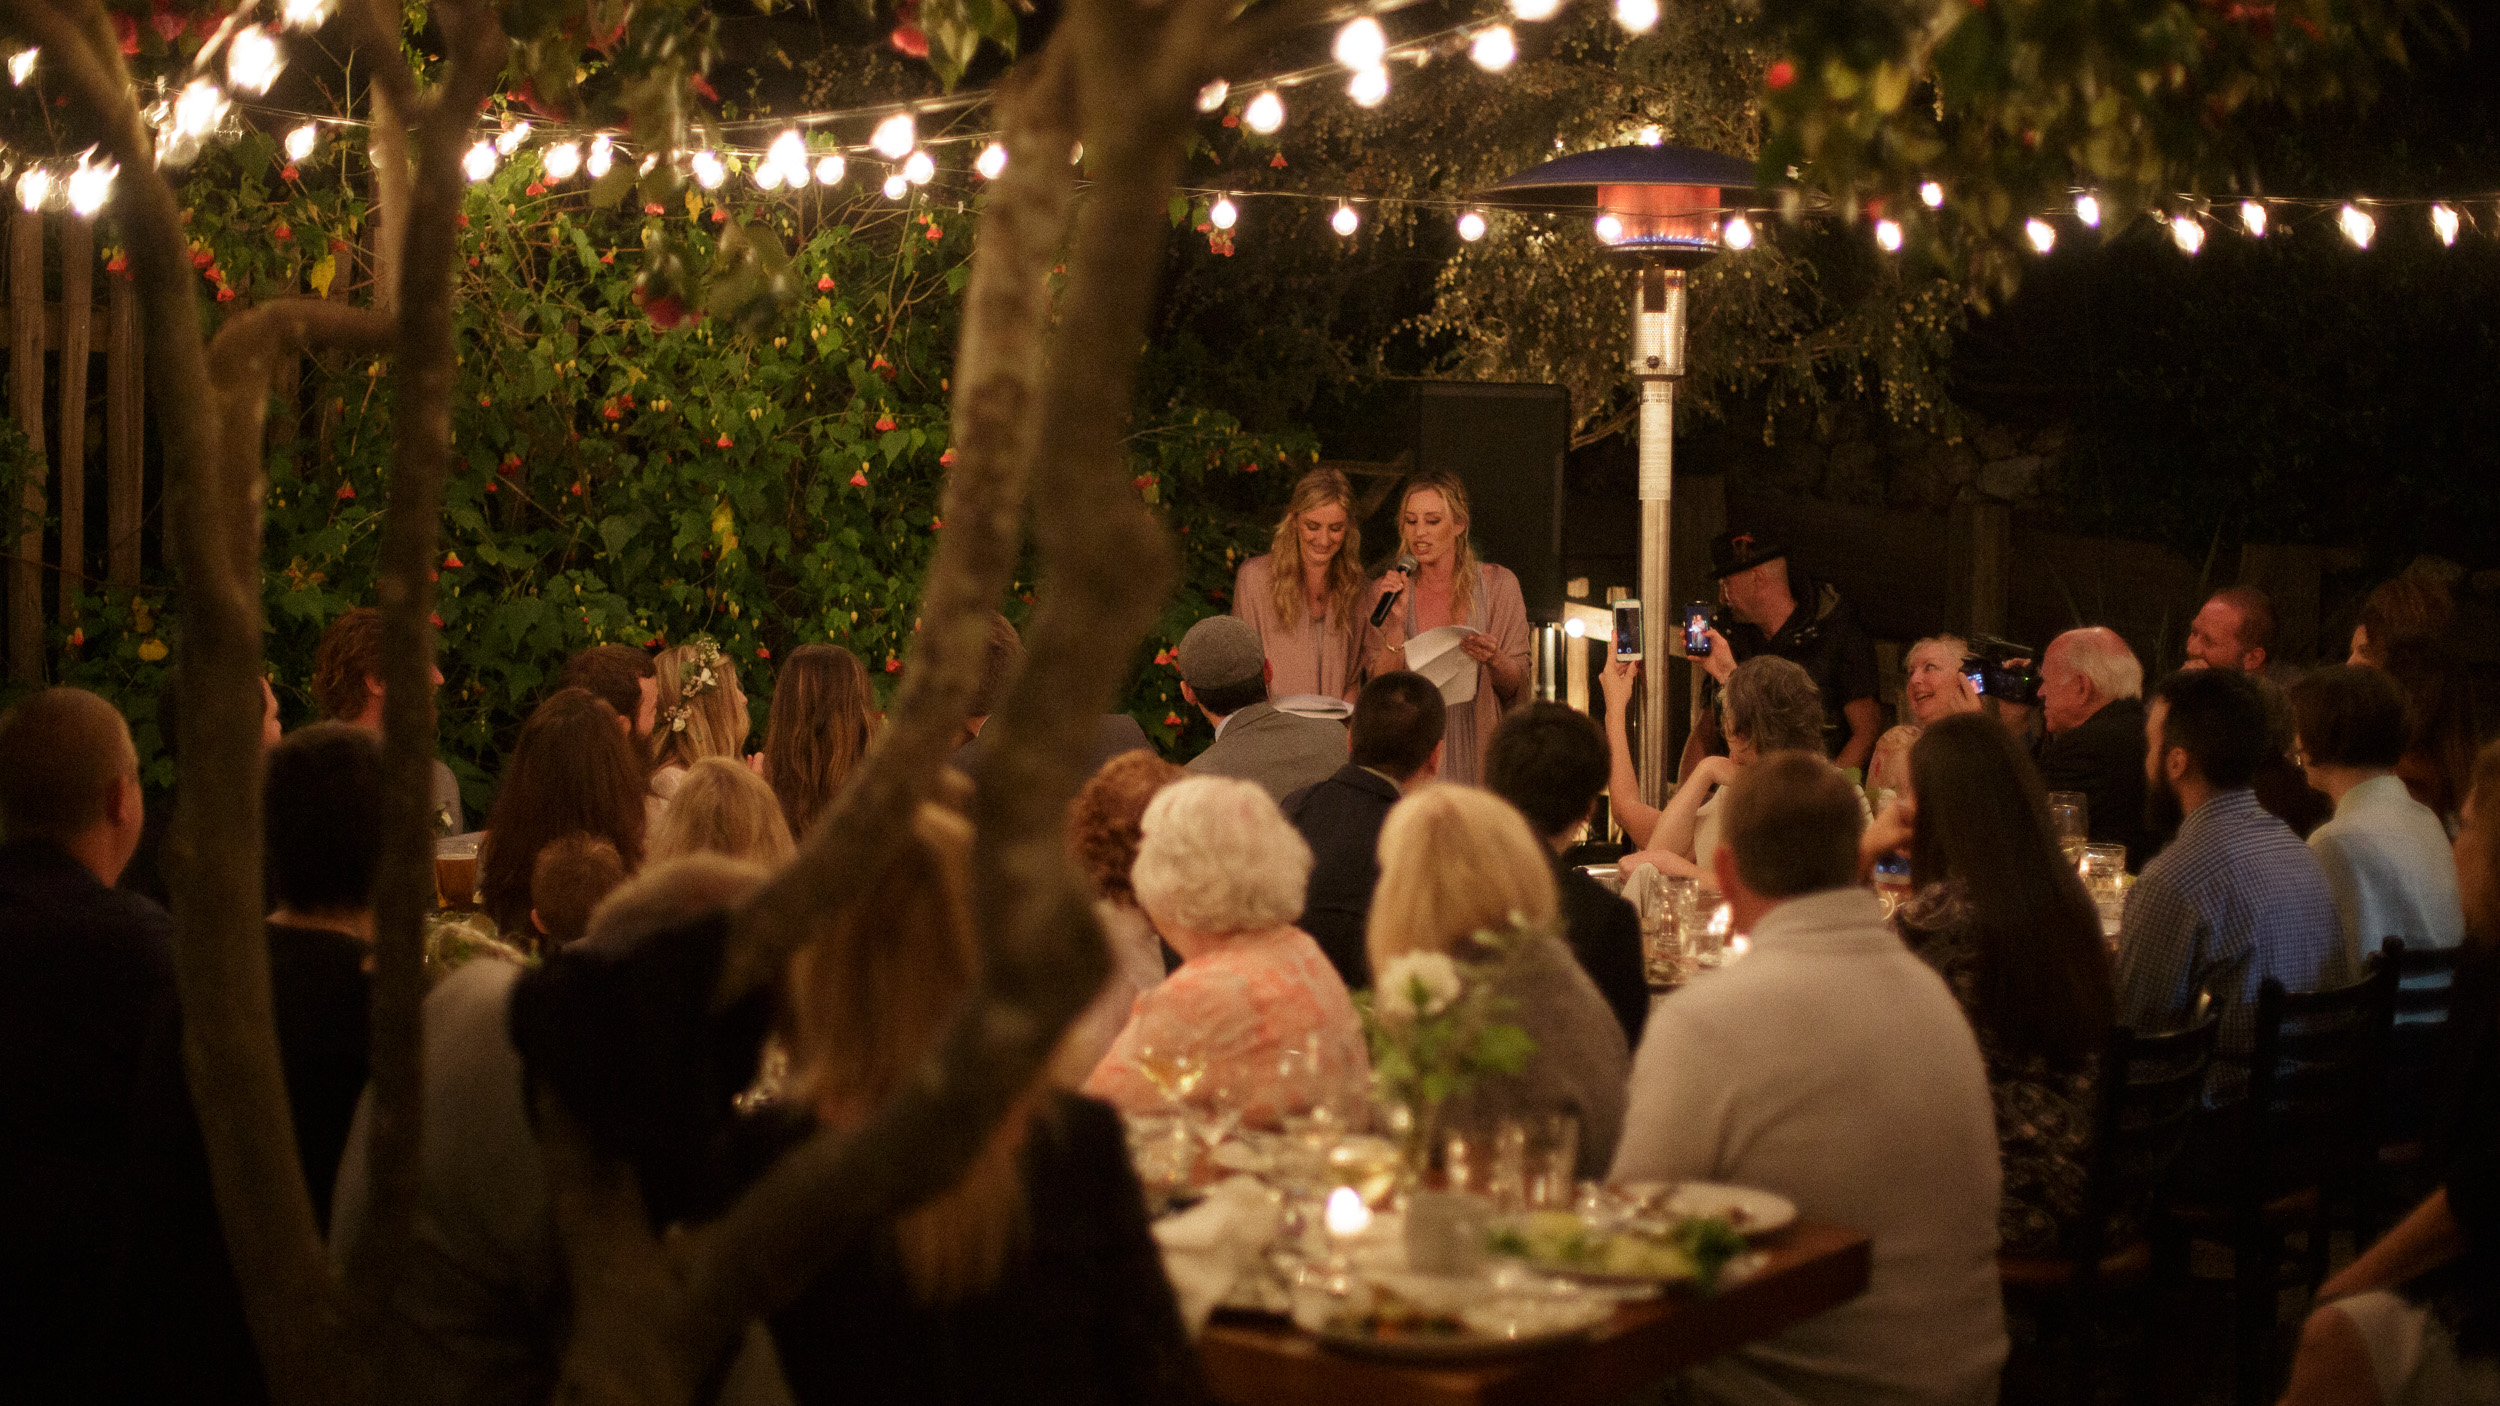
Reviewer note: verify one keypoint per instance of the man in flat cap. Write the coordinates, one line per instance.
(1224, 673)
(1801, 620)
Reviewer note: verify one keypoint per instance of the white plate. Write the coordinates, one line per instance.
(1753, 1211)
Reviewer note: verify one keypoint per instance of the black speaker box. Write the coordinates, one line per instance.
(1505, 441)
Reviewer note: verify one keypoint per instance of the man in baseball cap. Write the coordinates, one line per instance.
(1780, 611)
(1224, 674)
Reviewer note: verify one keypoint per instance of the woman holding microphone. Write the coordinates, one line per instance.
(1444, 584)
(1302, 593)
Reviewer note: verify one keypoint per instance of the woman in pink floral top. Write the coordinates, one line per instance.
(1222, 872)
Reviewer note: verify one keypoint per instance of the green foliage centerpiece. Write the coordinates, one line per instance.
(1435, 1027)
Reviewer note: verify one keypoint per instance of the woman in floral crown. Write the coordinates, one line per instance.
(1467, 893)
(702, 712)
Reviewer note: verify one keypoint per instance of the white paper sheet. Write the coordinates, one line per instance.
(1435, 655)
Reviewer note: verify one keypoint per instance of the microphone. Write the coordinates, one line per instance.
(1380, 612)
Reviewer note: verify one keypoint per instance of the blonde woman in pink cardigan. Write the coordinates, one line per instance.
(1301, 595)
(1450, 587)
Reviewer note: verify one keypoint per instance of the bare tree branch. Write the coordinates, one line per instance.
(375, 25)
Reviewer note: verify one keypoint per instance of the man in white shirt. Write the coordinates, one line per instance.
(2386, 856)
(1832, 1066)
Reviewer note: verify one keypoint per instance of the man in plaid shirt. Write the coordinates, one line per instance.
(2237, 897)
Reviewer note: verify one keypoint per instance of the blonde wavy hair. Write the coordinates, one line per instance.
(722, 807)
(1463, 570)
(866, 1002)
(701, 712)
(1314, 491)
(1455, 860)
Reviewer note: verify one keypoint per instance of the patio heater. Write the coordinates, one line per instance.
(1661, 210)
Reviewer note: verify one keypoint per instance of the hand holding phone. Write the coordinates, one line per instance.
(1627, 630)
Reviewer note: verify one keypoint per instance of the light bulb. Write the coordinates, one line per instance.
(829, 170)
(299, 143)
(1651, 135)
(895, 137)
(789, 152)
(510, 138)
(1369, 87)
(2088, 210)
(1888, 236)
(1223, 214)
(253, 60)
(709, 169)
(602, 154)
(768, 176)
(480, 162)
(1471, 226)
(1739, 232)
(896, 187)
(34, 188)
(1360, 44)
(918, 168)
(991, 161)
(561, 160)
(2253, 219)
(1637, 16)
(2444, 223)
(1212, 96)
(1609, 229)
(1494, 49)
(2358, 226)
(2041, 233)
(1265, 113)
(1345, 221)
(89, 185)
(304, 14)
(1931, 195)
(22, 66)
(2187, 233)
(1534, 10)
(199, 109)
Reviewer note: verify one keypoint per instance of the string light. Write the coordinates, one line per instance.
(918, 169)
(2444, 223)
(1931, 195)
(2088, 210)
(90, 185)
(991, 161)
(2357, 225)
(1534, 10)
(561, 160)
(1212, 96)
(199, 109)
(304, 14)
(1637, 16)
(895, 137)
(896, 187)
(2187, 232)
(768, 176)
(1265, 113)
(34, 188)
(1223, 214)
(1361, 44)
(299, 143)
(253, 60)
(1651, 135)
(788, 155)
(2041, 233)
(1494, 49)
(480, 162)
(829, 170)
(1369, 88)
(510, 138)
(1345, 221)
(1888, 235)
(2253, 219)
(1609, 229)
(602, 155)
(1471, 226)
(22, 66)
(709, 169)
(1738, 234)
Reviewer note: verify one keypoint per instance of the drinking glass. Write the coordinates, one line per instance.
(2104, 869)
(1507, 1186)
(2070, 816)
(1174, 1070)
(455, 873)
(1557, 1158)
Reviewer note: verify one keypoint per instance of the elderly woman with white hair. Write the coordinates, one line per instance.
(1935, 689)
(1221, 872)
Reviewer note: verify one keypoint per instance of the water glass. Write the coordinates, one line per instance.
(1556, 1163)
(2070, 819)
(1507, 1186)
(2104, 870)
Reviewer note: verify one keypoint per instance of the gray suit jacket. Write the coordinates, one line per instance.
(1278, 750)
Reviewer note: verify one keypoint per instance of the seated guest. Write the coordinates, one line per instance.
(321, 813)
(1103, 835)
(723, 807)
(1114, 733)
(702, 713)
(571, 877)
(2092, 704)
(2234, 630)
(347, 683)
(1768, 706)
(2001, 915)
(1831, 1066)
(1549, 761)
(625, 679)
(111, 1260)
(2412, 1319)
(2386, 857)
(1395, 746)
(1935, 689)
(2236, 898)
(2407, 609)
(1456, 863)
(2279, 784)
(572, 772)
(1221, 875)
(822, 718)
(1224, 675)
(2441, 726)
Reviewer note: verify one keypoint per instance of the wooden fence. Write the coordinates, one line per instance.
(56, 330)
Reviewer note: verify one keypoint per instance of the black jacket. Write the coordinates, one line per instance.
(1340, 819)
(2103, 757)
(1605, 934)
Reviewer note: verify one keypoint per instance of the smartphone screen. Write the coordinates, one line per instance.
(1697, 631)
(1978, 681)
(1627, 629)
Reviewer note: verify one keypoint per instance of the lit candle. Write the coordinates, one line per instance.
(1347, 1215)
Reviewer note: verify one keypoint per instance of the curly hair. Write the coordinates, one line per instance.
(1219, 857)
(1773, 704)
(1103, 820)
(350, 653)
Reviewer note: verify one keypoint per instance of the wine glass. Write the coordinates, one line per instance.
(1174, 1070)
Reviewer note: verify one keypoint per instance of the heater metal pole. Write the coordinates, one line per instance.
(1657, 364)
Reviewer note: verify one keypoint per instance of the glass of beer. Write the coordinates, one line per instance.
(455, 872)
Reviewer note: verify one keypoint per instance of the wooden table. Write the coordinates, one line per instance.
(1812, 1268)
